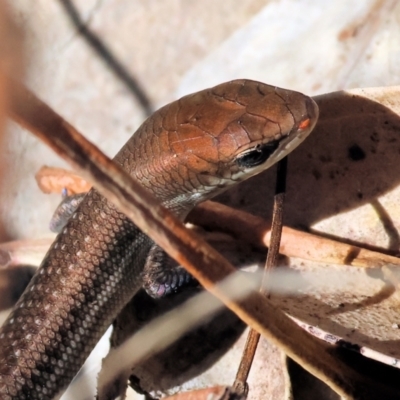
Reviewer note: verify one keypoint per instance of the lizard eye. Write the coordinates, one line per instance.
(258, 155)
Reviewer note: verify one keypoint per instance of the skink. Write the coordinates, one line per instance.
(186, 152)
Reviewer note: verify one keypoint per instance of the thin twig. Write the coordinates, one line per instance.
(108, 58)
(273, 252)
(308, 246)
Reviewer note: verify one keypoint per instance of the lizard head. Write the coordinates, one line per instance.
(198, 146)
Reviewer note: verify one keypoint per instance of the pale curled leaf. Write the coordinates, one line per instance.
(355, 156)
(344, 183)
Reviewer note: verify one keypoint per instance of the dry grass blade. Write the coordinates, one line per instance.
(163, 331)
(198, 258)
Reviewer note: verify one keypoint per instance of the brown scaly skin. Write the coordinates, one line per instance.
(186, 152)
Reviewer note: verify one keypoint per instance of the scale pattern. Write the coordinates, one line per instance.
(84, 291)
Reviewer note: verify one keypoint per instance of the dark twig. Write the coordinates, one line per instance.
(108, 58)
(273, 253)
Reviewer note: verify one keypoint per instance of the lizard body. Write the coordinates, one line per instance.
(186, 152)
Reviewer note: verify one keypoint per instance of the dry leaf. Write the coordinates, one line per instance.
(55, 180)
